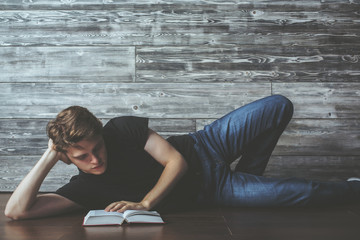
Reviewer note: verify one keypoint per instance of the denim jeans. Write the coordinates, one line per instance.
(251, 132)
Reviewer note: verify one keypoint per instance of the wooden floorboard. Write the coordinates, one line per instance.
(340, 222)
(320, 223)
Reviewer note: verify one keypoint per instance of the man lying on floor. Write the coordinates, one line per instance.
(125, 165)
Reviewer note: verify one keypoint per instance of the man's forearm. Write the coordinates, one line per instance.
(175, 167)
(25, 194)
(172, 173)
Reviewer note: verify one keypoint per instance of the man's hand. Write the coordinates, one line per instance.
(61, 156)
(125, 205)
(64, 158)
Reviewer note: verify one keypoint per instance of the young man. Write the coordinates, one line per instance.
(125, 165)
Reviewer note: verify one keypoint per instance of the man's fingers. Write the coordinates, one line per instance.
(122, 206)
(114, 206)
(108, 207)
(111, 206)
(64, 158)
(50, 143)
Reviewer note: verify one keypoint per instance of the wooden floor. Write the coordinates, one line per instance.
(223, 223)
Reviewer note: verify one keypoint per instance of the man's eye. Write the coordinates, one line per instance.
(98, 148)
(82, 157)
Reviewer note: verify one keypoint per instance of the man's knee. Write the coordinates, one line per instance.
(285, 103)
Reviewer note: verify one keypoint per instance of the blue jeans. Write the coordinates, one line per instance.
(251, 132)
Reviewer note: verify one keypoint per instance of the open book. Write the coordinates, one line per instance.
(101, 217)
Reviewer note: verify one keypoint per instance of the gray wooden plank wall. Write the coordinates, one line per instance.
(182, 64)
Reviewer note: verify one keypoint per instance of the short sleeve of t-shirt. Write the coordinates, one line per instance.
(133, 130)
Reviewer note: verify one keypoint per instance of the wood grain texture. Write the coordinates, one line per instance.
(70, 64)
(182, 23)
(322, 100)
(315, 137)
(15, 168)
(303, 137)
(21, 137)
(159, 100)
(320, 137)
(246, 63)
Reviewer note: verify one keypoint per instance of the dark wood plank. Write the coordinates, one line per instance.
(321, 168)
(303, 223)
(47, 228)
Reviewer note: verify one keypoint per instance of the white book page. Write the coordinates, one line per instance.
(101, 217)
(135, 216)
(129, 213)
(105, 213)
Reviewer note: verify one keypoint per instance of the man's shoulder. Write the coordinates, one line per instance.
(126, 121)
(126, 126)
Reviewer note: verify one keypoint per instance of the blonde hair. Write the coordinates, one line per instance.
(72, 125)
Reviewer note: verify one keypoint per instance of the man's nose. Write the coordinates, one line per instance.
(94, 159)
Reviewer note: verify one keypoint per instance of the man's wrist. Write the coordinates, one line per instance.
(146, 204)
(50, 156)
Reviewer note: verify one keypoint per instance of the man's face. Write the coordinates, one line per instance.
(89, 155)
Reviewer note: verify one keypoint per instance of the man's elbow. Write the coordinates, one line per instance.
(10, 215)
(13, 214)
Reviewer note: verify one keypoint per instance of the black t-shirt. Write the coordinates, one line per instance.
(131, 172)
